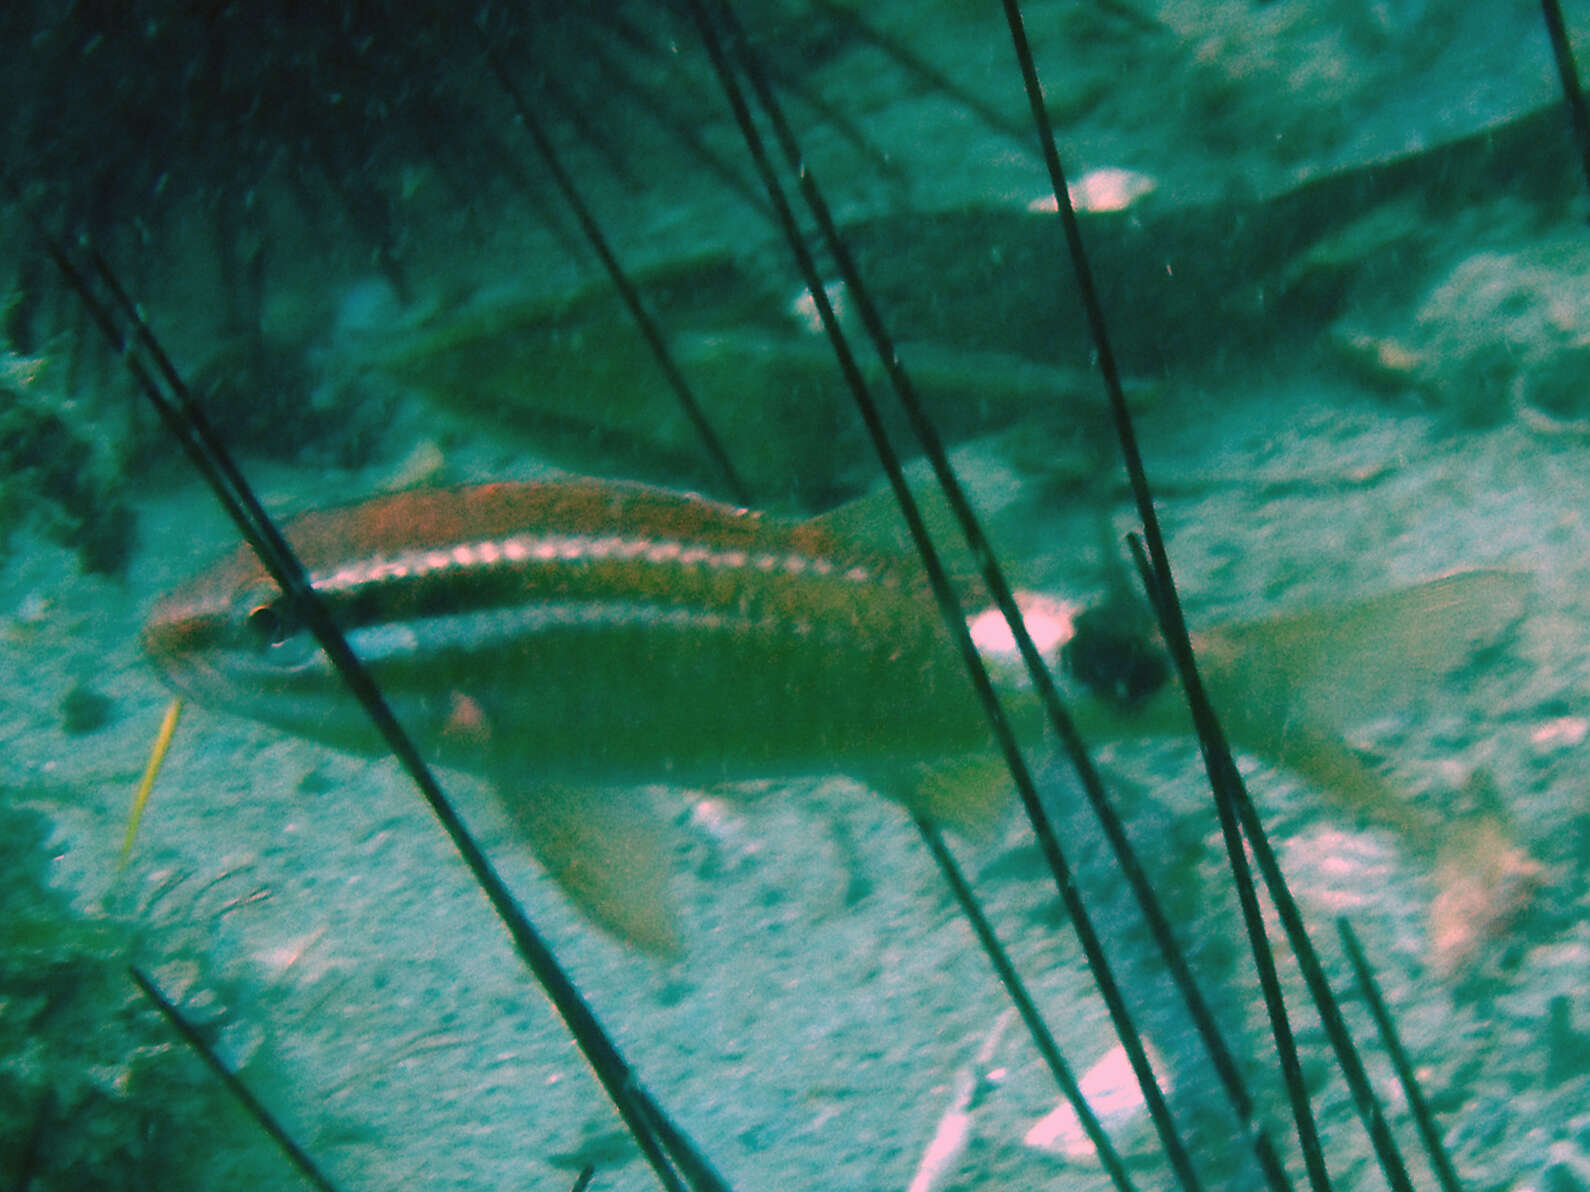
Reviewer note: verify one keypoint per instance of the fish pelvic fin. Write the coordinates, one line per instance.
(968, 794)
(610, 851)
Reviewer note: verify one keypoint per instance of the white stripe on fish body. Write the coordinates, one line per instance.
(1050, 622)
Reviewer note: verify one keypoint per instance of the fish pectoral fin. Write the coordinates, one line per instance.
(610, 851)
(968, 794)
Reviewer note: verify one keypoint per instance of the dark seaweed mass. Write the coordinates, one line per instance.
(124, 115)
(125, 112)
(95, 1090)
(205, 149)
(45, 462)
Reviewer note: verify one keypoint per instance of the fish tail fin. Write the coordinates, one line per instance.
(1484, 879)
(1326, 760)
(1344, 663)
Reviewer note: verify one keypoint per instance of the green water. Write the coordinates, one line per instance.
(1322, 412)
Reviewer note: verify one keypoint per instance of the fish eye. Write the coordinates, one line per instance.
(1115, 656)
(267, 625)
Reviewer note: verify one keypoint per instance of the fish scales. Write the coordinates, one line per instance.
(595, 631)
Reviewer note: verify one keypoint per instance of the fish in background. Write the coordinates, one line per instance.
(573, 640)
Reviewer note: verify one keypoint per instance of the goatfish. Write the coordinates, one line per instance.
(571, 638)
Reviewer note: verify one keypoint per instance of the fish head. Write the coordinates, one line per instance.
(230, 640)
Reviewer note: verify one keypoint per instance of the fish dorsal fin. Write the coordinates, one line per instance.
(873, 522)
(610, 851)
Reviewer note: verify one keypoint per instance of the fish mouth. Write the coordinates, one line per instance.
(186, 672)
(185, 643)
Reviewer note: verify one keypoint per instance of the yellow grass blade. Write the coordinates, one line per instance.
(157, 755)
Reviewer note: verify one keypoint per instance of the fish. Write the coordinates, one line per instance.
(568, 639)
(574, 639)
(728, 334)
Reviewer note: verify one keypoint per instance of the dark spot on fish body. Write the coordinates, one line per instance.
(1115, 654)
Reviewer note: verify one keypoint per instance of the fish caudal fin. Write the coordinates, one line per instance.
(1288, 686)
(1484, 880)
(1341, 664)
(1325, 760)
(609, 851)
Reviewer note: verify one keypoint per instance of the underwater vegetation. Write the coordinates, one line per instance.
(1340, 269)
(54, 471)
(93, 1093)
